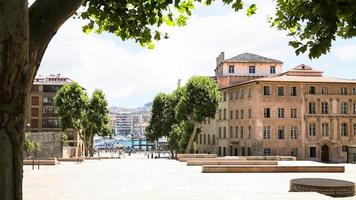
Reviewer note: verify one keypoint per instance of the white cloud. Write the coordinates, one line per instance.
(132, 77)
(346, 53)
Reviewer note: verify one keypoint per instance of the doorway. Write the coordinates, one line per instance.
(325, 153)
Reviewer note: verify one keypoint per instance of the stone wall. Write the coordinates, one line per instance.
(49, 142)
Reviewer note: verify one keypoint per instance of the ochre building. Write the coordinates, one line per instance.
(265, 111)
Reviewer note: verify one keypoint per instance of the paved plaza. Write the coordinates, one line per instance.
(136, 177)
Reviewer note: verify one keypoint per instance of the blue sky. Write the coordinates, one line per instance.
(131, 75)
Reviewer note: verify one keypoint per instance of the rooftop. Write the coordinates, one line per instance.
(249, 57)
(52, 79)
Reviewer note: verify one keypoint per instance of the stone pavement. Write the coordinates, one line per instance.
(136, 178)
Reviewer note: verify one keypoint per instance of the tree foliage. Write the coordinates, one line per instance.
(315, 24)
(141, 20)
(176, 115)
(87, 117)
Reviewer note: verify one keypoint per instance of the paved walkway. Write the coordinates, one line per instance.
(136, 178)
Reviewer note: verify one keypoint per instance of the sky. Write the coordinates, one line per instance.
(131, 75)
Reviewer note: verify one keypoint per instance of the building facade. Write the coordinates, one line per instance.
(295, 113)
(43, 118)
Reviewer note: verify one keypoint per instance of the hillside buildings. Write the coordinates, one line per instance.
(130, 122)
(265, 111)
(43, 120)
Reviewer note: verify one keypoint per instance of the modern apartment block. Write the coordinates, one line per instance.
(299, 112)
(43, 114)
(124, 123)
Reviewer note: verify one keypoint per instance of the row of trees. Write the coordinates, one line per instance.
(178, 115)
(85, 116)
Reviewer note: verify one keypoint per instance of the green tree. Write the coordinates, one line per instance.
(97, 119)
(72, 102)
(200, 100)
(26, 32)
(316, 24)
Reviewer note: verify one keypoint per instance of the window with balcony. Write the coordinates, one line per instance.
(242, 114)
(312, 90)
(280, 112)
(224, 132)
(208, 139)
(324, 108)
(231, 69)
(280, 91)
(354, 108)
(343, 91)
(344, 127)
(325, 129)
(220, 112)
(344, 108)
(293, 113)
(231, 114)
(272, 69)
(50, 123)
(267, 113)
(354, 130)
(266, 90)
(51, 88)
(200, 139)
(293, 133)
(204, 139)
(266, 132)
(224, 114)
(220, 132)
(312, 108)
(293, 91)
(312, 129)
(249, 113)
(252, 69)
(281, 133)
(241, 132)
(324, 90)
(354, 90)
(236, 114)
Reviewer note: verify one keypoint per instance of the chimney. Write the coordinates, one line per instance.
(220, 58)
(179, 83)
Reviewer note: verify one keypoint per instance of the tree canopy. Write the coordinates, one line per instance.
(177, 115)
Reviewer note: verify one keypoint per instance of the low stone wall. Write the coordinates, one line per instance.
(40, 162)
(50, 144)
(229, 162)
(71, 159)
(196, 155)
(271, 169)
(277, 158)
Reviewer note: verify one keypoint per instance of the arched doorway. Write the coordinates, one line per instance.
(325, 153)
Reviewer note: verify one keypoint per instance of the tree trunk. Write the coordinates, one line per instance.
(191, 140)
(91, 150)
(15, 84)
(24, 36)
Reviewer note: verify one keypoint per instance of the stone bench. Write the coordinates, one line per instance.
(271, 169)
(329, 187)
(181, 156)
(277, 158)
(40, 162)
(71, 159)
(101, 158)
(229, 162)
